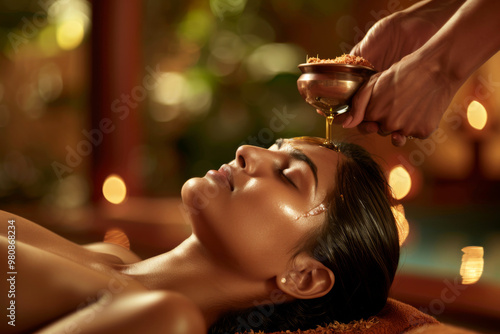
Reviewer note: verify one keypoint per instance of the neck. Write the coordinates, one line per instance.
(190, 270)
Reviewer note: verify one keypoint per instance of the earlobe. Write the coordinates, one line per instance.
(307, 279)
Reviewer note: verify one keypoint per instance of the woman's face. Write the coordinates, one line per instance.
(253, 213)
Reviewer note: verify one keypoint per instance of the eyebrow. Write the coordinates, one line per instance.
(297, 154)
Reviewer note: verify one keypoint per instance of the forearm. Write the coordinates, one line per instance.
(424, 19)
(467, 40)
(403, 32)
(436, 11)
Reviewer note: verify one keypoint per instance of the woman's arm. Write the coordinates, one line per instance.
(122, 254)
(35, 235)
(116, 243)
(141, 312)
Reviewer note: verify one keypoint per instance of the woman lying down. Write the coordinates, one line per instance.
(294, 236)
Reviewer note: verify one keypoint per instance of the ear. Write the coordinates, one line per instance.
(307, 279)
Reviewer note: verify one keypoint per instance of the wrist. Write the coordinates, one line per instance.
(436, 65)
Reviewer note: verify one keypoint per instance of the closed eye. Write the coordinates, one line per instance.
(298, 155)
(286, 178)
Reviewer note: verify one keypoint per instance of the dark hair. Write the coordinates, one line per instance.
(359, 243)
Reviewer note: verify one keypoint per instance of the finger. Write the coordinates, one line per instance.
(367, 127)
(383, 133)
(398, 139)
(359, 104)
(355, 50)
(340, 119)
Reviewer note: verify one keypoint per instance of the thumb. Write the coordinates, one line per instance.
(359, 103)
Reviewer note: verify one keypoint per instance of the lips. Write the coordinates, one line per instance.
(227, 172)
(223, 175)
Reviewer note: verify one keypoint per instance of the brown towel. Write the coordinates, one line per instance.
(396, 317)
(118, 237)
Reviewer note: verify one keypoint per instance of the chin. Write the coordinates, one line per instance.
(189, 191)
(203, 205)
(188, 186)
(197, 196)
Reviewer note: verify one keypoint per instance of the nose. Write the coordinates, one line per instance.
(255, 160)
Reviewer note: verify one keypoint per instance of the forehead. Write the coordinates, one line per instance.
(320, 155)
(309, 146)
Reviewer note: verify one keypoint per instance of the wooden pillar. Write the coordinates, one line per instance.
(117, 92)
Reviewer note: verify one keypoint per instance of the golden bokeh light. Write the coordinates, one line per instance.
(271, 59)
(400, 182)
(71, 19)
(69, 34)
(477, 115)
(47, 41)
(170, 89)
(472, 264)
(402, 223)
(114, 189)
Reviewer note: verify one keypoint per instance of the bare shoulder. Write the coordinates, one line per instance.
(177, 314)
(187, 317)
(139, 312)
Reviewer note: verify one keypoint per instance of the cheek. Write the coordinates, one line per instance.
(272, 199)
(264, 249)
(257, 249)
(261, 233)
(266, 210)
(252, 230)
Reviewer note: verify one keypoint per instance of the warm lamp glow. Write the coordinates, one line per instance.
(114, 189)
(472, 264)
(400, 182)
(402, 224)
(477, 115)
